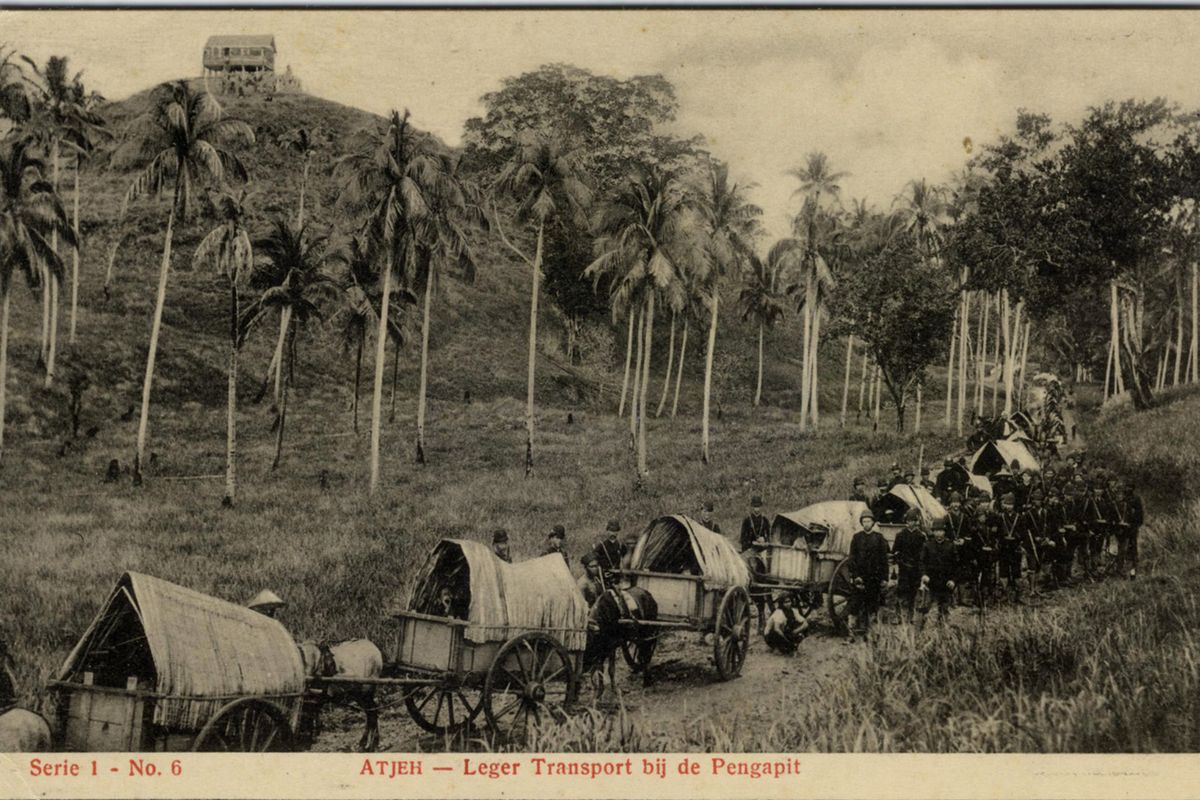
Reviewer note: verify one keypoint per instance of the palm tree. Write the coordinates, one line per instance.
(30, 213)
(643, 237)
(86, 128)
(455, 207)
(388, 180)
(730, 223)
(185, 140)
(14, 101)
(229, 250)
(295, 276)
(304, 142)
(544, 178)
(761, 298)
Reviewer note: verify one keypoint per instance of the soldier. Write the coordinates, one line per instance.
(881, 490)
(1075, 528)
(1132, 513)
(754, 526)
(500, 545)
(555, 540)
(1096, 523)
(868, 568)
(590, 583)
(896, 478)
(956, 518)
(927, 481)
(1022, 489)
(610, 550)
(1034, 541)
(939, 567)
(786, 626)
(1060, 570)
(706, 517)
(910, 478)
(860, 493)
(906, 552)
(1009, 529)
(986, 535)
(757, 564)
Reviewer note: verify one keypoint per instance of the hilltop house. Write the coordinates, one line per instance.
(225, 54)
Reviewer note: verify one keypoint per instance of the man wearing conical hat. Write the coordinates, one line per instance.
(266, 603)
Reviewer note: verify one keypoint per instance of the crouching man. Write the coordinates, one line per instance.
(786, 626)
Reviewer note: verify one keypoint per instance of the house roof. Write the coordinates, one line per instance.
(241, 41)
(206, 651)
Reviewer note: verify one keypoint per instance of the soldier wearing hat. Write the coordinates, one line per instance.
(555, 541)
(868, 569)
(1132, 513)
(927, 481)
(1035, 540)
(882, 487)
(754, 526)
(610, 550)
(756, 562)
(986, 533)
(939, 568)
(266, 603)
(591, 582)
(896, 477)
(706, 517)
(860, 493)
(500, 545)
(906, 552)
(1009, 528)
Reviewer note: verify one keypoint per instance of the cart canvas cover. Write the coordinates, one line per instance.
(995, 457)
(205, 651)
(681, 545)
(839, 517)
(506, 599)
(922, 500)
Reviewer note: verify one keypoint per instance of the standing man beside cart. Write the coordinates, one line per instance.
(755, 526)
(868, 567)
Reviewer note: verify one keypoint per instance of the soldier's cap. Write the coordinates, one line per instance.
(910, 474)
(708, 506)
(756, 501)
(588, 558)
(558, 532)
(499, 536)
(866, 514)
(881, 484)
(947, 463)
(1008, 498)
(613, 525)
(266, 599)
(1036, 494)
(939, 524)
(912, 515)
(955, 497)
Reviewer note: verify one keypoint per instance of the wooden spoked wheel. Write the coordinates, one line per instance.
(531, 680)
(837, 599)
(638, 650)
(248, 725)
(444, 709)
(731, 634)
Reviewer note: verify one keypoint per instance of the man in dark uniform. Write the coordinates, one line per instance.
(1075, 527)
(927, 481)
(1060, 570)
(1022, 489)
(939, 568)
(1034, 539)
(754, 526)
(896, 478)
(555, 541)
(877, 506)
(1133, 514)
(860, 493)
(706, 517)
(952, 479)
(910, 478)
(868, 569)
(610, 550)
(500, 545)
(906, 552)
(1009, 525)
(986, 534)
(956, 519)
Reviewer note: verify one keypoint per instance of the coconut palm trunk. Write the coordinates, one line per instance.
(285, 319)
(758, 383)
(846, 380)
(533, 312)
(981, 353)
(1178, 370)
(357, 377)
(679, 368)
(377, 388)
(814, 405)
(74, 258)
(641, 439)
(963, 350)
(155, 328)
(662, 401)
(231, 405)
(395, 380)
(917, 419)
(708, 366)
(628, 361)
(950, 368)
(805, 352)
(1024, 362)
(303, 189)
(4, 309)
(52, 339)
(1195, 351)
(999, 334)
(44, 351)
(639, 358)
(290, 355)
(424, 365)
(862, 385)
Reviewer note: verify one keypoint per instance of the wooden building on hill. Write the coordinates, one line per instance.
(225, 54)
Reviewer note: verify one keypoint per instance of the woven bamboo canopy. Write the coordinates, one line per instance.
(501, 600)
(837, 520)
(680, 545)
(197, 652)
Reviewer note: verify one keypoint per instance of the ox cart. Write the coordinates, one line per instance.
(165, 668)
(808, 550)
(699, 583)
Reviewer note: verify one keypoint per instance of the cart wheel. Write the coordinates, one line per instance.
(838, 598)
(731, 634)
(531, 678)
(443, 709)
(639, 651)
(248, 725)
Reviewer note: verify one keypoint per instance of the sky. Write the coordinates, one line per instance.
(889, 96)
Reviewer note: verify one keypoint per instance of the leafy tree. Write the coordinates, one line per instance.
(762, 295)
(902, 309)
(227, 247)
(544, 180)
(184, 140)
(30, 213)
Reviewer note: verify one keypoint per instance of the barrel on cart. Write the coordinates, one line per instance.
(165, 668)
(699, 583)
(482, 635)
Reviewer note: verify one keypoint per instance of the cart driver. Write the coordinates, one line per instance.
(500, 545)
(266, 603)
(590, 583)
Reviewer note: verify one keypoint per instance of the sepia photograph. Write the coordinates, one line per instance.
(546, 382)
